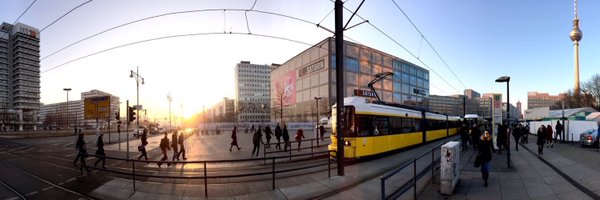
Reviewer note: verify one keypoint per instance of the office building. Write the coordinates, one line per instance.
(470, 93)
(447, 105)
(253, 91)
(537, 100)
(19, 76)
(311, 73)
(224, 111)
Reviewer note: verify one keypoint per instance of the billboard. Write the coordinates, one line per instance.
(285, 88)
(96, 107)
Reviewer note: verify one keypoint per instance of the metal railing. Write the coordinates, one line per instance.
(204, 163)
(289, 144)
(416, 176)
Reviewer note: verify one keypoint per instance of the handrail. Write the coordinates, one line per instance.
(416, 176)
(205, 175)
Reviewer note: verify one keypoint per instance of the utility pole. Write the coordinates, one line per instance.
(339, 54)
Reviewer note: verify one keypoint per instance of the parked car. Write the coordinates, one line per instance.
(588, 138)
(153, 130)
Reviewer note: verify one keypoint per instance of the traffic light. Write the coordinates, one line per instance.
(131, 114)
(118, 116)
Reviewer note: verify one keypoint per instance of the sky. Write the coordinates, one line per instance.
(479, 40)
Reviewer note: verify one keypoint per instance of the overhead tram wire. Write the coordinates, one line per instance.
(401, 46)
(181, 12)
(75, 8)
(430, 45)
(23, 13)
(177, 36)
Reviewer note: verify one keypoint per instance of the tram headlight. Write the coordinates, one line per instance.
(347, 143)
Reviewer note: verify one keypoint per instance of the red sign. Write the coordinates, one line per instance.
(364, 93)
(285, 88)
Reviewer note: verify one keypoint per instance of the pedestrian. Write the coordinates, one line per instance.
(549, 133)
(516, 133)
(252, 129)
(142, 146)
(257, 140)
(598, 138)
(234, 139)
(485, 156)
(501, 140)
(286, 138)
(559, 130)
(475, 134)
(100, 152)
(541, 139)
(164, 146)
(81, 154)
(180, 140)
(174, 146)
(322, 132)
(268, 134)
(278, 136)
(299, 136)
(464, 136)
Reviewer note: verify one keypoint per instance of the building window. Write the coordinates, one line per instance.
(352, 64)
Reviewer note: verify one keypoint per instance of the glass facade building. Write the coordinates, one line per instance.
(310, 74)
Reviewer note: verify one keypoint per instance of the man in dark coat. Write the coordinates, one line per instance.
(464, 136)
(541, 139)
(475, 134)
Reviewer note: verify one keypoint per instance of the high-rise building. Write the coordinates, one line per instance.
(253, 91)
(576, 36)
(469, 93)
(448, 105)
(519, 109)
(311, 73)
(19, 76)
(537, 100)
(224, 111)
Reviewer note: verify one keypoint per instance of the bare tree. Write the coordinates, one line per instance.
(592, 87)
(575, 100)
(279, 101)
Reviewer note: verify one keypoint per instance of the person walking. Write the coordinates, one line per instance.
(142, 147)
(464, 136)
(81, 154)
(541, 139)
(256, 140)
(286, 138)
(164, 146)
(234, 139)
(180, 140)
(598, 138)
(268, 134)
(100, 152)
(559, 130)
(549, 133)
(252, 129)
(322, 132)
(174, 146)
(299, 136)
(485, 156)
(516, 133)
(278, 136)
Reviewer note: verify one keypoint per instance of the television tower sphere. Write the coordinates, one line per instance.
(576, 33)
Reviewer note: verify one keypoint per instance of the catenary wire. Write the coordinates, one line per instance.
(23, 13)
(75, 8)
(175, 36)
(430, 45)
(181, 12)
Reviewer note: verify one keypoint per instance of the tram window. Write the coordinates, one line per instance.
(396, 125)
(417, 125)
(349, 119)
(364, 124)
(380, 125)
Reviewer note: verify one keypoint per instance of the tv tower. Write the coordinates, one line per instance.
(576, 36)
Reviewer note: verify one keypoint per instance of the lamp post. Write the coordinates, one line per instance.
(170, 98)
(507, 80)
(67, 89)
(138, 79)
(317, 122)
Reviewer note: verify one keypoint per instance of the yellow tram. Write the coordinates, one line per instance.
(370, 129)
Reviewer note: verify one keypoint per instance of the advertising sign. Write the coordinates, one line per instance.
(364, 93)
(285, 88)
(96, 107)
(496, 114)
(311, 68)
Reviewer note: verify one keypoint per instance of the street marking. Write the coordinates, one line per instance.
(31, 193)
(69, 180)
(61, 183)
(12, 198)
(47, 188)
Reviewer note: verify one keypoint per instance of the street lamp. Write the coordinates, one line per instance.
(138, 79)
(170, 98)
(507, 80)
(317, 125)
(67, 89)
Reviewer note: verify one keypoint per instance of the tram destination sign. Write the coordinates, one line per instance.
(364, 93)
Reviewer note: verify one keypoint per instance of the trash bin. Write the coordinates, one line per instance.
(449, 167)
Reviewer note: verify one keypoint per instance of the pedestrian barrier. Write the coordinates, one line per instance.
(204, 163)
(312, 146)
(416, 176)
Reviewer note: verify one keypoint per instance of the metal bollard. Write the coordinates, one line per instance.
(205, 181)
(133, 169)
(273, 161)
(415, 178)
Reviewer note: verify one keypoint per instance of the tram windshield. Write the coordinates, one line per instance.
(347, 120)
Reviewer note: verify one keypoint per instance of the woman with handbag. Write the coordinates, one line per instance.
(484, 157)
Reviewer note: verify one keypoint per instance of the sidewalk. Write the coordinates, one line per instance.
(529, 178)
